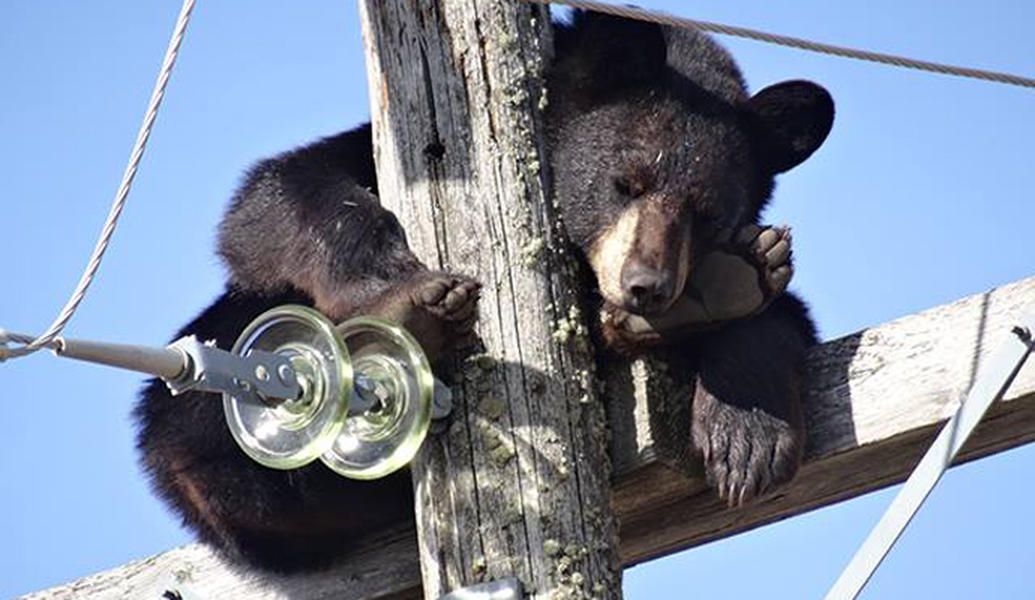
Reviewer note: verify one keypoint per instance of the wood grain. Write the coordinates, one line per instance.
(519, 483)
(875, 401)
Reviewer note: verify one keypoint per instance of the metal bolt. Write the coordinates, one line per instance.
(261, 373)
(286, 374)
(442, 400)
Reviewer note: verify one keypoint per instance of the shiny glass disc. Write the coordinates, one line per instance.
(392, 373)
(291, 433)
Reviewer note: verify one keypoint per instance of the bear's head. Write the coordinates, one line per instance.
(656, 146)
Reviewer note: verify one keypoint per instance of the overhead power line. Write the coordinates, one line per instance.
(630, 12)
(661, 18)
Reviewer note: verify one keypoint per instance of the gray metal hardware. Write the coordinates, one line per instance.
(210, 369)
(166, 363)
(188, 364)
(501, 589)
(174, 586)
(441, 401)
(994, 378)
(367, 394)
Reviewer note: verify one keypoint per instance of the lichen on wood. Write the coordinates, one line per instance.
(528, 441)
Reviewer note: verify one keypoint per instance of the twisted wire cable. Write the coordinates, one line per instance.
(661, 18)
(119, 202)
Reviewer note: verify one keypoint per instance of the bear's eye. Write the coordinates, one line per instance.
(629, 187)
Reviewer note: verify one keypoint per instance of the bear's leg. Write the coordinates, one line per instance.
(281, 521)
(747, 420)
(276, 520)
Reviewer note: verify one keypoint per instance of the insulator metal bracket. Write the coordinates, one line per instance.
(210, 369)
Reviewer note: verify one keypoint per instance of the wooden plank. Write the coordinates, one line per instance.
(875, 401)
(519, 484)
(384, 566)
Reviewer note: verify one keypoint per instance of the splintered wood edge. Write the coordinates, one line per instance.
(874, 402)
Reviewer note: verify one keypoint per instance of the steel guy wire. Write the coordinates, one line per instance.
(119, 202)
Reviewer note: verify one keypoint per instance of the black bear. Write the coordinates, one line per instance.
(304, 228)
(660, 162)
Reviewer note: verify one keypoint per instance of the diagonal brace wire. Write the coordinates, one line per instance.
(55, 329)
(994, 378)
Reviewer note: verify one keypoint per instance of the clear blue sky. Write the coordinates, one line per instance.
(921, 195)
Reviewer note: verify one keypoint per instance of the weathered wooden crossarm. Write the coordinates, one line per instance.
(875, 400)
(386, 566)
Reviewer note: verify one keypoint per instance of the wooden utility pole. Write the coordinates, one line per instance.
(518, 486)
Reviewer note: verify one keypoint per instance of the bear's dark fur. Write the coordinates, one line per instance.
(655, 148)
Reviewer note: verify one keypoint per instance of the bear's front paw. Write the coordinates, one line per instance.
(740, 277)
(451, 298)
(743, 274)
(626, 333)
(747, 452)
(438, 309)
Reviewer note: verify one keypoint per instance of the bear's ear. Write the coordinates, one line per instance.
(598, 55)
(791, 119)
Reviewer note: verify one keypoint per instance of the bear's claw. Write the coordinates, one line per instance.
(746, 452)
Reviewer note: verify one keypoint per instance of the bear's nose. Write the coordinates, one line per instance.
(646, 289)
